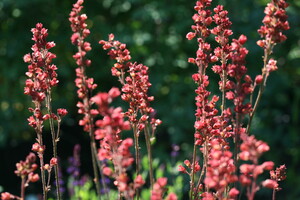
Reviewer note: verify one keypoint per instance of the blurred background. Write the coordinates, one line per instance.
(154, 31)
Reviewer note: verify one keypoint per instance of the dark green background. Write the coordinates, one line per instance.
(154, 31)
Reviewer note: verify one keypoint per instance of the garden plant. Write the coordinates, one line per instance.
(226, 161)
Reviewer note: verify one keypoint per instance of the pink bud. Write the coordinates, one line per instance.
(6, 196)
(50, 45)
(139, 181)
(214, 59)
(114, 92)
(111, 37)
(162, 181)
(33, 177)
(258, 79)
(36, 147)
(242, 39)
(181, 169)
(171, 196)
(62, 112)
(270, 184)
(107, 171)
(27, 58)
(190, 35)
(53, 161)
(260, 43)
(141, 126)
(191, 60)
(233, 193)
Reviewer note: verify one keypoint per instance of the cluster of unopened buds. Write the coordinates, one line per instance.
(26, 170)
(279, 174)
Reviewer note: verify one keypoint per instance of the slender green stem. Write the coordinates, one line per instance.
(193, 171)
(95, 170)
(223, 79)
(43, 176)
(149, 150)
(137, 154)
(137, 147)
(265, 74)
(55, 139)
(203, 171)
(38, 130)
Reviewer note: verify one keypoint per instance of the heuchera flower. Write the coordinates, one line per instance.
(159, 188)
(84, 84)
(208, 125)
(112, 147)
(135, 84)
(222, 32)
(26, 171)
(24, 168)
(279, 174)
(274, 22)
(221, 169)
(41, 75)
(7, 196)
(241, 87)
(251, 150)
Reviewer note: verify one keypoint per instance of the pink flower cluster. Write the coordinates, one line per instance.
(112, 147)
(213, 131)
(275, 22)
(159, 189)
(135, 80)
(135, 85)
(221, 169)
(26, 170)
(41, 73)
(85, 85)
(278, 175)
(241, 87)
(251, 150)
(42, 76)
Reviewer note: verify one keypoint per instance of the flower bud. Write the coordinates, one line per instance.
(258, 79)
(53, 161)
